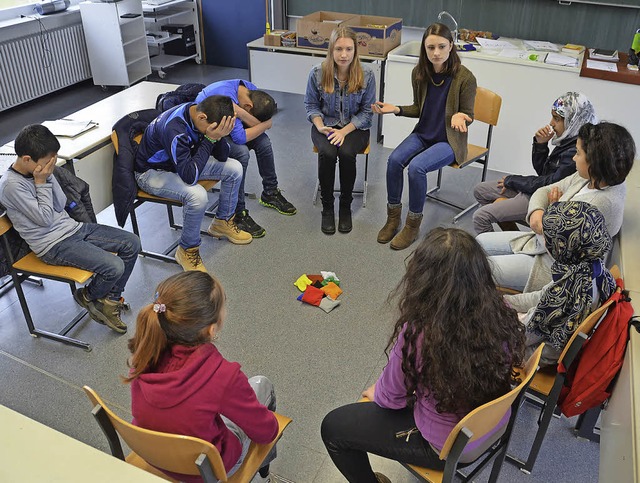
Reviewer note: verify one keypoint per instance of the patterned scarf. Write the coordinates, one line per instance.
(576, 236)
(576, 110)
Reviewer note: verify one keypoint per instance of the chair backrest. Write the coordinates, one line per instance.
(484, 418)
(5, 224)
(587, 325)
(170, 452)
(487, 106)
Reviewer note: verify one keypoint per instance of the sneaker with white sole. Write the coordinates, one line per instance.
(229, 230)
(244, 222)
(190, 260)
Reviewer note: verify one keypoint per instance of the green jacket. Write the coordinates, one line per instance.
(461, 98)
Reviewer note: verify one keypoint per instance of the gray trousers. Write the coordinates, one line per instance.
(512, 209)
(263, 388)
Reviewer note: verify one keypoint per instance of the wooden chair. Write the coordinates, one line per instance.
(475, 425)
(175, 453)
(29, 266)
(144, 197)
(363, 191)
(548, 382)
(487, 110)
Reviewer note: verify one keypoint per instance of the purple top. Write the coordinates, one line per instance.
(390, 393)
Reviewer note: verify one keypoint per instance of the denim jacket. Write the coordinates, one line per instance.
(355, 108)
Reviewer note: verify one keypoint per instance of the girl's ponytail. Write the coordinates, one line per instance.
(147, 344)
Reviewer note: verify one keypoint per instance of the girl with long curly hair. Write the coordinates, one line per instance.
(453, 348)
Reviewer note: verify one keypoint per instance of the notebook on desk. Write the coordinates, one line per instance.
(68, 127)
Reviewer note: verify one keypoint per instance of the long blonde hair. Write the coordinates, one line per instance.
(185, 307)
(355, 80)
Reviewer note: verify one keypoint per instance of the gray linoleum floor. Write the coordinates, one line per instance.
(316, 360)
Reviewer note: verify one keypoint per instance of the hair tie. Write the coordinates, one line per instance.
(159, 308)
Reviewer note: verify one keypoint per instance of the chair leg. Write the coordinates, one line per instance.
(315, 192)
(62, 335)
(586, 425)
(366, 180)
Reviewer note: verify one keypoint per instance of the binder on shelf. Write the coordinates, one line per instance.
(604, 54)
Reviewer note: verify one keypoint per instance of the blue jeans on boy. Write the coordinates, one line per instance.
(168, 184)
(421, 160)
(264, 158)
(92, 248)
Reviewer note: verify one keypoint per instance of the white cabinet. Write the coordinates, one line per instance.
(116, 42)
(167, 47)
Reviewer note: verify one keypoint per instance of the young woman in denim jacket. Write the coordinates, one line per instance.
(444, 93)
(340, 92)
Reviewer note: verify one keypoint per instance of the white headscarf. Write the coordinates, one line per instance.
(576, 110)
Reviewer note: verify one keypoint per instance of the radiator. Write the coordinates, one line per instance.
(38, 64)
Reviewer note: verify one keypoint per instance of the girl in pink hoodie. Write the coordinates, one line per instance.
(180, 383)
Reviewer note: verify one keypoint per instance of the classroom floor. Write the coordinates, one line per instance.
(317, 361)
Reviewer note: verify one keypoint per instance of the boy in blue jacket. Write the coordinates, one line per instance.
(254, 109)
(182, 146)
(35, 205)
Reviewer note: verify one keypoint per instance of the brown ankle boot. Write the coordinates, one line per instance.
(409, 233)
(391, 226)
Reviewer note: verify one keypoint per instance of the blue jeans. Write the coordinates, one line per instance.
(421, 160)
(510, 270)
(266, 395)
(266, 164)
(194, 197)
(91, 248)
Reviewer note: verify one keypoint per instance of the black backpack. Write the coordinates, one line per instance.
(184, 93)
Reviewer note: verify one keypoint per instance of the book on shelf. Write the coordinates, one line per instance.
(604, 54)
(574, 49)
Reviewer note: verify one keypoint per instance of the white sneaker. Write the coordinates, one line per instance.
(260, 479)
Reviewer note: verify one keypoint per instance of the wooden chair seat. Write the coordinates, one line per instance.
(364, 189)
(30, 265)
(473, 154)
(176, 453)
(33, 265)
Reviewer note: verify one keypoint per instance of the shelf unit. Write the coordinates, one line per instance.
(117, 45)
(172, 12)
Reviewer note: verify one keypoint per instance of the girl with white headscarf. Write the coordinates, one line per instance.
(569, 113)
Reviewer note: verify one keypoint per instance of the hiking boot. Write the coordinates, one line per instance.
(278, 203)
(189, 259)
(229, 230)
(244, 222)
(107, 312)
(80, 296)
(124, 305)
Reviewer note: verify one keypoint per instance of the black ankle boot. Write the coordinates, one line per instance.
(328, 222)
(344, 220)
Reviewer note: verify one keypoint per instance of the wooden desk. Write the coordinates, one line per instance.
(34, 452)
(623, 75)
(92, 152)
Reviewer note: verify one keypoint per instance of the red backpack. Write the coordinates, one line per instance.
(588, 381)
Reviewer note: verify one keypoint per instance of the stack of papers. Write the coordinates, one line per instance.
(540, 45)
(560, 59)
(596, 64)
(68, 127)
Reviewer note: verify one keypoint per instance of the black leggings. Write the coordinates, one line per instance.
(350, 432)
(328, 155)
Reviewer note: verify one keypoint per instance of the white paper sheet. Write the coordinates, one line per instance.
(598, 65)
(541, 45)
(495, 44)
(68, 127)
(559, 59)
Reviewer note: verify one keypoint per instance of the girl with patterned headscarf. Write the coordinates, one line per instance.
(569, 113)
(577, 238)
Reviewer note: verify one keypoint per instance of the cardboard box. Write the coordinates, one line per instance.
(376, 35)
(274, 39)
(315, 29)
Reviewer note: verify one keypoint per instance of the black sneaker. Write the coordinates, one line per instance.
(277, 202)
(245, 223)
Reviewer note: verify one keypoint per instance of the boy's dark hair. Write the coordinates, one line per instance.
(35, 141)
(609, 149)
(216, 107)
(264, 106)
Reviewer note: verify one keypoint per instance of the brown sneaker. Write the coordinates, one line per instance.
(107, 312)
(228, 229)
(190, 259)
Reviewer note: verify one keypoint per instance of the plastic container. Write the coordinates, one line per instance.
(51, 6)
